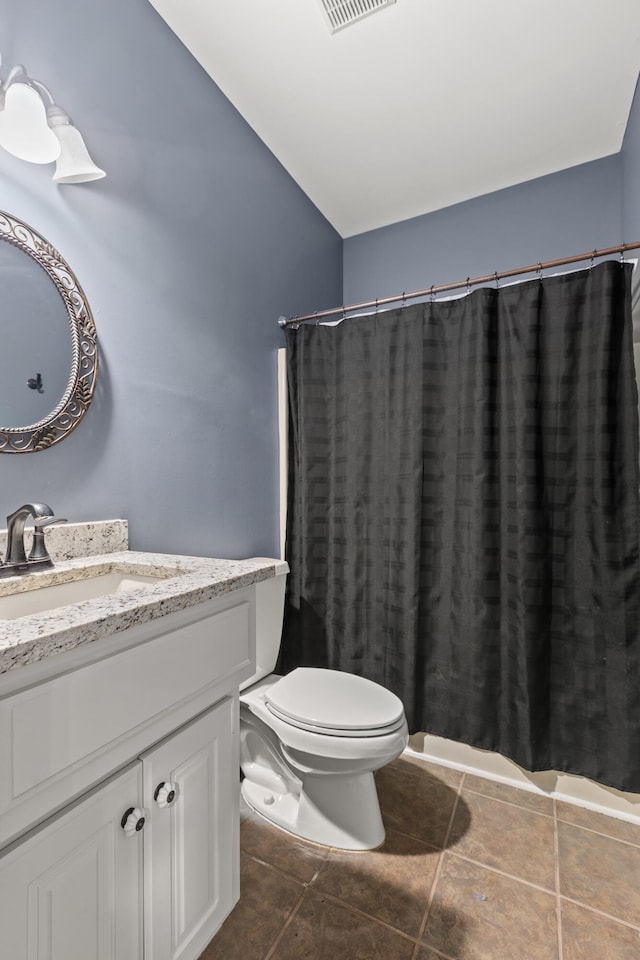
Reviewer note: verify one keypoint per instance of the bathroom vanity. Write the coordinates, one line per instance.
(119, 833)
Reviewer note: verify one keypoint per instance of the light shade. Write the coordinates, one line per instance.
(23, 126)
(74, 165)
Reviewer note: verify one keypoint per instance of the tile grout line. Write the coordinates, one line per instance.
(530, 809)
(556, 855)
(558, 816)
(510, 803)
(307, 884)
(602, 913)
(363, 913)
(281, 870)
(503, 873)
(436, 876)
(285, 926)
(598, 833)
(434, 950)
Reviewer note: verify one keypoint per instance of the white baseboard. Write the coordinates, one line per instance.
(551, 783)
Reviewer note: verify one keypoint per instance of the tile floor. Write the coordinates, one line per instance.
(470, 870)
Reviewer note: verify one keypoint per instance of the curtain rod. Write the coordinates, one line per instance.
(456, 285)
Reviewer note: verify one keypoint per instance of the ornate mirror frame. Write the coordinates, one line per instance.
(75, 401)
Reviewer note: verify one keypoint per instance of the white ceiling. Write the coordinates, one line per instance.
(424, 103)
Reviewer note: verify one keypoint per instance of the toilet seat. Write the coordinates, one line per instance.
(334, 703)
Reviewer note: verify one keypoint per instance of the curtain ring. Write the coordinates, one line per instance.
(432, 295)
(593, 257)
(539, 271)
(622, 254)
(376, 304)
(404, 299)
(497, 279)
(468, 285)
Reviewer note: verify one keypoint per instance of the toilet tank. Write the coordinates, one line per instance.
(269, 615)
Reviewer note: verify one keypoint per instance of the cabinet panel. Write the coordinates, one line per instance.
(73, 889)
(60, 737)
(189, 848)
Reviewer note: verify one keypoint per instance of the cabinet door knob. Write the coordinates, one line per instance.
(166, 792)
(133, 821)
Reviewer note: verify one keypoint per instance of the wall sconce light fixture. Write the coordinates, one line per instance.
(34, 128)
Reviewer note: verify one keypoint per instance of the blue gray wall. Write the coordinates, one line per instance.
(555, 216)
(192, 247)
(630, 157)
(188, 252)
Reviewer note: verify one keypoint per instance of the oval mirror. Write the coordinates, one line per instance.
(48, 344)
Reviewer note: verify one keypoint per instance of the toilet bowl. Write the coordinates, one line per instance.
(310, 741)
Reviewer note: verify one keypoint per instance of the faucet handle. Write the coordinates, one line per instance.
(48, 521)
(39, 551)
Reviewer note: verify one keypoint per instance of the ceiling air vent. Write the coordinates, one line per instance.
(341, 13)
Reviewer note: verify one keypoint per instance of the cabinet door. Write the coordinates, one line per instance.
(72, 890)
(191, 846)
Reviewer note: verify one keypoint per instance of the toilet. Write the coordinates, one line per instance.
(310, 741)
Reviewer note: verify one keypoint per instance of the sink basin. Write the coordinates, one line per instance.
(41, 599)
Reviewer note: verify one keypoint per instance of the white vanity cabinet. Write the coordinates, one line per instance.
(149, 731)
(190, 789)
(73, 890)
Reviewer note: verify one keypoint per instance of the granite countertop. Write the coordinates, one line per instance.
(185, 581)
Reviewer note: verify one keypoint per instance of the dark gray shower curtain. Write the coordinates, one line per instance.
(463, 516)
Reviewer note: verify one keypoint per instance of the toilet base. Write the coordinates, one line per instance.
(340, 812)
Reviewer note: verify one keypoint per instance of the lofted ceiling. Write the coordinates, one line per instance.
(424, 103)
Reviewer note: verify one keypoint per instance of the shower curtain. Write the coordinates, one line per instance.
(463, 516)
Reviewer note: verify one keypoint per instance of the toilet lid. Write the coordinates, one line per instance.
(335, 702)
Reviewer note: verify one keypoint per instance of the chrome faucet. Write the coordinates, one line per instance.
(16, 561)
